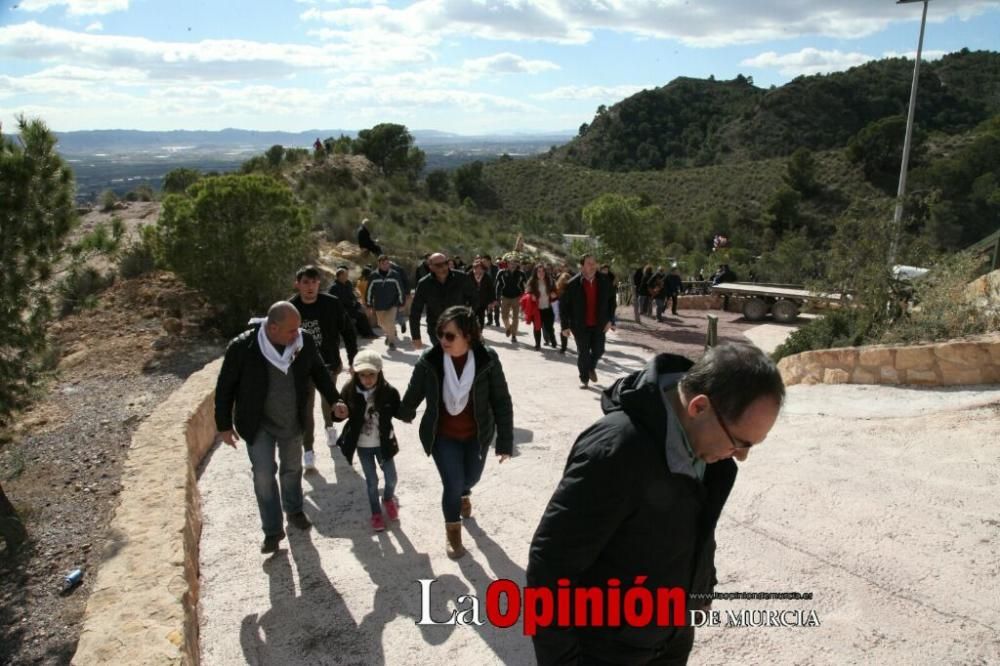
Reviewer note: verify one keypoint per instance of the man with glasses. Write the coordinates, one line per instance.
(642, 492)
(437, 292)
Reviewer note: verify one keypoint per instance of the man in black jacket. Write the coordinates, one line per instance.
(263, 387)
(509, 288)
(438, 292)
(327, 321)
(642, 492)
(586, 308)
(674, 287)
(344, 290)
(365, 241)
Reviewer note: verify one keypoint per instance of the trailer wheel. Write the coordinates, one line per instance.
(785, 311)
(755, 309)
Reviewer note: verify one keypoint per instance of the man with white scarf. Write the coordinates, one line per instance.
(261, 396)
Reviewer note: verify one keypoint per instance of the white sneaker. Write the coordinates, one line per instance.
(309, 460)
(331, 436)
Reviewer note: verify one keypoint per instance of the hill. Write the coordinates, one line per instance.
(697, 122)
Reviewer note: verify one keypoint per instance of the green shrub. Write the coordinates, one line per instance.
(838, 328)
(942, 308)
(78, 289)
(108, 201)
(139, 257)
(238, 239)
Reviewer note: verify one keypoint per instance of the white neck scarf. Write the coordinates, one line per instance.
(281, 361)
(456, 389)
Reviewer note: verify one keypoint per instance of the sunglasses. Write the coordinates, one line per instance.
(737, 443)
(450, 336)
(438, 264)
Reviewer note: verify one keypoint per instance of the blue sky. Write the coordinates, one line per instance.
(467, 66)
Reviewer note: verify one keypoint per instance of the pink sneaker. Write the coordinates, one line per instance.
(391, 508)
(378, 523)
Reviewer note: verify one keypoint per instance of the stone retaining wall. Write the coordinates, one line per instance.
(143, 608)
(969, 361)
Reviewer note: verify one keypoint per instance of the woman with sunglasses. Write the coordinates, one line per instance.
(468, 409)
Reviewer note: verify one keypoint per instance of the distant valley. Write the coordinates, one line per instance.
(121, 160)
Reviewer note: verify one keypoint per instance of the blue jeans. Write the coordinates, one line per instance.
(265, 485)
(460, 466)
(368, 456)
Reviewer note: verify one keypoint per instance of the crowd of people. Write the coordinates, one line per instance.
(600, 522)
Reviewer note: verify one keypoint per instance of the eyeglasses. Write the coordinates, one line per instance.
(737, 443)
(447, 335)
(438, 264)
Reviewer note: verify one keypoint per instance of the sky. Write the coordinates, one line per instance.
(464, 66)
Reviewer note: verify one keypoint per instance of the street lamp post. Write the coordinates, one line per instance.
(897, 218)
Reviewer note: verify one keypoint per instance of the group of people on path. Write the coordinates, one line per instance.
(670, 431)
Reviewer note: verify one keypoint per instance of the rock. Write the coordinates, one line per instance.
(908, 358)
(875, 357)
(862, 376)
(962, 354)
(173, 326)
(159, 344)
(923, 377)
(836, 376)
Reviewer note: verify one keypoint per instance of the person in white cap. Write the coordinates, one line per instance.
(369, 403)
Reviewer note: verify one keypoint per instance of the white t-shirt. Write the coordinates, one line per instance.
(369, 437)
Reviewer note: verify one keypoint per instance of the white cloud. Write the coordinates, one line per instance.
(808, 61)
(924, 55)
(707, 23)
(814, 61)
(591, 92)
(76, 7)
(96, 26)
(213, 59)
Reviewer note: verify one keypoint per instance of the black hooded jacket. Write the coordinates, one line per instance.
(620, 512)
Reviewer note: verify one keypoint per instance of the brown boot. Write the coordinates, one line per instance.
(455, 548)
(466, 510)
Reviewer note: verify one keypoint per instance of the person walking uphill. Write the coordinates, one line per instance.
(586, 308)
(510, 285)
(642, 492)
(387, 290)
(371, 403)
(327, 320)
(262, 396)
(436, 292)
(468, 409)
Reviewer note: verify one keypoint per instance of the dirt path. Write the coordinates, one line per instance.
(879, 501)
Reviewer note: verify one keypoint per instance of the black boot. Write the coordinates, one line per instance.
(538, 341)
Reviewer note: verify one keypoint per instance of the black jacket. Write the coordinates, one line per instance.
(674, 284)
(243, 380)
(573, 305)
(491, 403)
(510, 284)
(485, 289)
(387, 405)
(345, 293)
(327, 320)
(436, 297)
(619, 512)
(365, 241)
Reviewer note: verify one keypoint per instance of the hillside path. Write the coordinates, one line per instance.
(879, 501)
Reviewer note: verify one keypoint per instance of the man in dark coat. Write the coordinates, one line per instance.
(437, 292)
(327, 321)
(365, 241)
(344, 290)
(262, 396)
(674, 287)
(642, 492)
(586, 309)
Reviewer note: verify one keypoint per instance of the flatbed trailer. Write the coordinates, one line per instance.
(783, 302)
